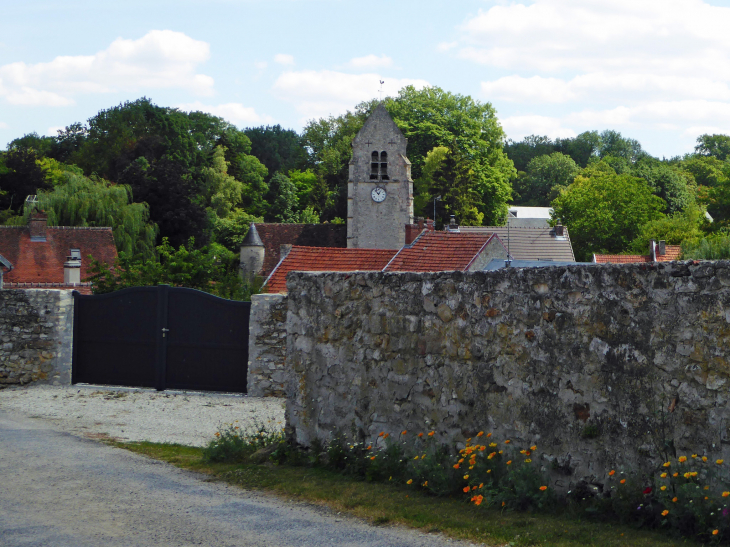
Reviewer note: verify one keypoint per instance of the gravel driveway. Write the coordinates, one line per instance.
(189, 418)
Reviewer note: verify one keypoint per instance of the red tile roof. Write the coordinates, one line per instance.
(273, 236)
(323, 259)
(672, 252)
(439, 251)
(42, 261)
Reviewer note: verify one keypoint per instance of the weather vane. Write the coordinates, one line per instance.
(380, 91)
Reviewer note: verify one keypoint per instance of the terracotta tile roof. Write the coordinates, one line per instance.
(323, 259)
(273, 236)
(439, 252)
(530, 243)
(621, 259)
(672, 252)
(42, 261)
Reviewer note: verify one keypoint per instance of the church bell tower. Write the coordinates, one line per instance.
(380, 189)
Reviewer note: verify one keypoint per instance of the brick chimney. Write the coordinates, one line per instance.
(559, 230)
(37, 225)
(661, 248)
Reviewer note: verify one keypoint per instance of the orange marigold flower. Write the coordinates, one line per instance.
(694, 455)
(456, 466)
(420, 434)
(466, 477)
(501, 451)
(523, 451)
(461, 460)
(707, 487)
(682, 459)
(481, 484)
(381, 434)
(676, 474)
(369, 447)
(425, 483)
(715, 532)
(217, 434)
(667, 464)
(674, 500)
(528, 460)
(687, 475)
(665, 512)
(478, 501)
(492, 445)
(480, 433)
(509, 462)
(704, 458)
(725, 494)
(386, 435)
(663, 488)
(533, 447)
(489, 470)
(507, 441)
(482, 448)
(404, 432)
(466, 489)
(489, 435)
(504, 503)
(707, 498)
(719, 462)
(468, 440)
(623, 481)
(410, 481)
(663, 475)
(372, 457)
(543, 488)
(491, 455)
(612, 473)
(431, 433)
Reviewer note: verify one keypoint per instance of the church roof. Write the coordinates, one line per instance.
(273, 236)
(320, 259)
(439, 252)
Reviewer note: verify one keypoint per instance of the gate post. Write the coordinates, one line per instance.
(161, 345)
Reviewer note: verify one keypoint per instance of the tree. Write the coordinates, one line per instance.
(523, 152)
(222, 191)
(682, 227)
(605, 211)
(716, 146)
(20, 177)
(81, 201)
(612, 143)
(280, 150)
(581, 148)
(284, 201)
(667, 182)
(544, 174)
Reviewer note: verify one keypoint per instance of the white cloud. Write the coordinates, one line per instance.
(261, 65)
(518, 127)
(284, 59)
(53, 130)
(232, 112)
(371, 61)
(325, 92)
(3, 125)
(160, 59)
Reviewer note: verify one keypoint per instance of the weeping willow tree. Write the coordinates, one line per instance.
(83, 201)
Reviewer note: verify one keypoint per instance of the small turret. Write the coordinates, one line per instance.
(252, 254)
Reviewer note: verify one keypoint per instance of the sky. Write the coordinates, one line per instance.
(656, 70)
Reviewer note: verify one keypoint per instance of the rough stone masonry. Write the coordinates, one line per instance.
(36, 330)
(604, 366)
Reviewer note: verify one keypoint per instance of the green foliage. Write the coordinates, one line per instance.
(605, 211)
(685, 226)
(668, 182)
(715, 247)
(81, 201)
(232, 444)
(284, 201)
(545, 175)
(211, 269)
(222, 191)
(20, 177)
(716, 146)
(280, 150)
(231, 230)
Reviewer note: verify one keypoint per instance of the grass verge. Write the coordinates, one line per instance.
(388, 504)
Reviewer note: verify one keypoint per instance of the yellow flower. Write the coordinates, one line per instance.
(694, 455)
(663, 488)
(471, 467)
(719, 462)
(423, 456)
(663, 475)
(704, 458)
(410, 481)
(431, 433)
(523, 452)
(725, 494)
(534, 447)
(682, 459)
(489, 470)
(665, 513)
(466, 477)
(492, 445)
(480, 433)
(416, 457)
(623, 481)
(543, 488)
(528, 460)
(612, 473)
(687, 475)
(425, 483)
(468, 440)
(667, 464)
(715, 532)
(501, 451)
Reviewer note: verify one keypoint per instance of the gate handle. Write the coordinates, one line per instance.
(164, 330)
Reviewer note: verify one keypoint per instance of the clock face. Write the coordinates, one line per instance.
(378, 194)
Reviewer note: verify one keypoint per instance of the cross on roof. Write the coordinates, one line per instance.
(368, 143)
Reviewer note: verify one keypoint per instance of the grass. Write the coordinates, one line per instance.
(390, 504)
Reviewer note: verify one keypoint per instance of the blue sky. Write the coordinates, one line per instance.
(656, 70)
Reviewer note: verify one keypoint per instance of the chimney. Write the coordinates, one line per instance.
(429, 225)
(37, 225)
(72, 269)
(661, 249)
(559, 231)
(453, 226)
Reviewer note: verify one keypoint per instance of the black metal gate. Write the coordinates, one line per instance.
(162, 337)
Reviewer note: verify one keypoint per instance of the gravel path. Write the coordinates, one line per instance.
(189, 418)
(67, 491)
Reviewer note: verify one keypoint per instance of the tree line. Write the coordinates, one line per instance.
(175, 185)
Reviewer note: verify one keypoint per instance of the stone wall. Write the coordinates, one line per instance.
(36, 328)
(267, 345)
(601, 366)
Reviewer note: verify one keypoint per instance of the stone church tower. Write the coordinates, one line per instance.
(380, 189)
